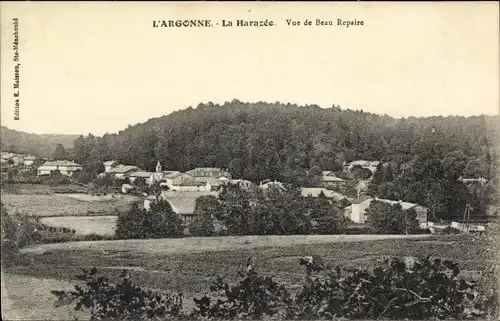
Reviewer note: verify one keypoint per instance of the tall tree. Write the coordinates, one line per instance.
(385, 218)
(60, 153)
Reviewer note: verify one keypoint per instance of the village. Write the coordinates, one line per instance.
(182, 189)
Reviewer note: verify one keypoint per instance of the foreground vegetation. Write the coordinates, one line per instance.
(396, 290)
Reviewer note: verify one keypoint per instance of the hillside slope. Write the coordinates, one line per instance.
(41, 145)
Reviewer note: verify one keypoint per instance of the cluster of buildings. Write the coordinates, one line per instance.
(201, 179)
(65, 167)
(42, 165)
(184, 188)
(370, 165)
(14, 159)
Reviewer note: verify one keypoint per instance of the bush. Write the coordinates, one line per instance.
(123, 301)
(451, 230)
(55, 178)
(130, 225)
(429, 289)
(17, 231)
(159, 222)
(391, 219)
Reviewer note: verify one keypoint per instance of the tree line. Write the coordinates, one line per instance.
(274, 211)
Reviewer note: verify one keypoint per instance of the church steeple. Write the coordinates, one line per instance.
(158, 167)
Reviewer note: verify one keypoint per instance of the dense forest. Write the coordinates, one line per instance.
(275, 141)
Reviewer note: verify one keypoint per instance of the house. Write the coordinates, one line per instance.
(329, 179)
(121, 171)
(270, 184)
(371, 165)
(108, 165)
(126, 188)
(29, 160)
(191, 185)
(316, 192)
(214, 183)
(239, 182)
(209, 172)
(118, 170)
(183, 204)
(356, 211)
(132, 176)
(174, 178)
(11, 158)
(64, 166)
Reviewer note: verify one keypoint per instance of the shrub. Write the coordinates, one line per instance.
(429, 289)
(17, 231)
(390, 219)
(122, 301)
(451, 230)
(159, 222)
(254, 297)
(130, 225)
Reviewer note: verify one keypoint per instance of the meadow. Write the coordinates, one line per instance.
(67, 204)
(190, 265)
(84, 225)
(167, 265)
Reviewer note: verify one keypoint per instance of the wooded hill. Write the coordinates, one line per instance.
(267, 140)
(41, 145)
(287, 142)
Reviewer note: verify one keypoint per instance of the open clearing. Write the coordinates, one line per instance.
(84, 225)
(67, 204)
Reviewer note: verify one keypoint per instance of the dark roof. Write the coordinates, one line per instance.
(361, 199)
(122, 169)
(184, 203)
(140, 174)
(61, 163)
(191, 182)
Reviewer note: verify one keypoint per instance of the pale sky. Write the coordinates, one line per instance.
(98, 67)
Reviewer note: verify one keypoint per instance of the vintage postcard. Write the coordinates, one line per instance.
(250, 161)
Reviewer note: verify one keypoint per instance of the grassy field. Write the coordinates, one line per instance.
(204, 244)
(167, 265)
(42, 189)
(84, 225)
(189, 265)
(66, 204)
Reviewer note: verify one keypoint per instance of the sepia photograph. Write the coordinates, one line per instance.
(250, 161)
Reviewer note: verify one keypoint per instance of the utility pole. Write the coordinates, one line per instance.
(466, 219)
